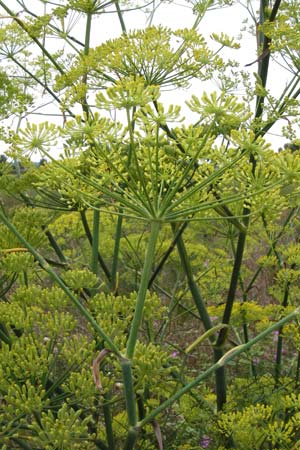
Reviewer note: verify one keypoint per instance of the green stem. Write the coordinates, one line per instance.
(218, 352)
(278, 361)
(131, 439)
(45, 266)
(232, 288)
(55, 246)
(229, 356)
(44, 86)
(108, 423)
(88, 33)
(90, 239)
(195, 291)
(264, 42)
(38, 43)
(272, 246)
(220, 380)
(88, 28)
(129, 392)
(114, 268)
(297, 371)
(58, 30)
(48, 233)
(167, 254)
(95, 241)
(141, 296)
(141, 406)
(120, 16)
(130, 400)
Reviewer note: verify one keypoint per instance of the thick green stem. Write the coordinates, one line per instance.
(43, 263)
(220, 374)
(108, 423)
(141, 296)
(221, 382)
(131, 439)
(232, 288)
(129, 392)
(264, 44)
(130, 400)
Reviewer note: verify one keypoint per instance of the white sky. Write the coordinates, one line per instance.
(228, 20)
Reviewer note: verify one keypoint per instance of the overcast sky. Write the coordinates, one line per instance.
(175, 15)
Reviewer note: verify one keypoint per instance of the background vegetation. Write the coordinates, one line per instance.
(149, 274)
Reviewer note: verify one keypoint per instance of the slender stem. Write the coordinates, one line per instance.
(60, 283)
(48, 233)
(55, 246)
(115, 262)
(86, 110)
(59, 31)
(141, 406)
(41, 83)
(141, 296)
(195, 291)
(38, 43)
(95, 241)
(298, 370)
(120, 16)
(118, 233)
(88, 29)
(272, 246)
(278, 358)
(90, 239)
(167, 254)
(278, 361)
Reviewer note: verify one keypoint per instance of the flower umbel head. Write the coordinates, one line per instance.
(35, 138)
